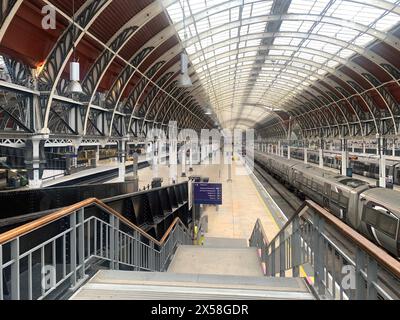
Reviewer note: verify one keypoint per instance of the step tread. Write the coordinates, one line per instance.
(153, 285)
(220, 261)
(214, 242)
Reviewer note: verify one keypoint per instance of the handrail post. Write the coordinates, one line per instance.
(81, 245)
(1, 273)
(15, 281)
(372, 278)
(360, 282)
(117, 248)
(272, 255)
(296, 247)
(136, 250)
(72, 223)
(282, 254)
(318, 253)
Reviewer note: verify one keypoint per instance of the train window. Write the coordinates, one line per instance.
(382, 220)
(335, 196)
(343, 200)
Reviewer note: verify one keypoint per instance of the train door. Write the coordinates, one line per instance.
(327, 195)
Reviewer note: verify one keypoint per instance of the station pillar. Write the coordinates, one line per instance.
(184, 162)
(364, 149)
(394, 147)
(382, 162)
(35, 160)
(288, 151)
(121, 160)
(279, 148)
(191, 158)
(97, 155)
(345, 157)
(155, 155)
(75, 151)
(305, 154)
(321, 153)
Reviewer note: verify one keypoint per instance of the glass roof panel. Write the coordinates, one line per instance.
(243, 52)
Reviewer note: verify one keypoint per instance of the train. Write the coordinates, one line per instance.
(367, 167)
(372, 211)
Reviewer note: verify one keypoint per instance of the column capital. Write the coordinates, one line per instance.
(39, 137)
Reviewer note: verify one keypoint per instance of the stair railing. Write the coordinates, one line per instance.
(53, 254)
(338, 262)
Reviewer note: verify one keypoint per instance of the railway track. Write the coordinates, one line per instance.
(288, 202)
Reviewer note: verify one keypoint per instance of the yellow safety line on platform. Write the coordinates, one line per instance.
(303, 274)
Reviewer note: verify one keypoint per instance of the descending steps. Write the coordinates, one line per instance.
(220, 269)
(121, 285)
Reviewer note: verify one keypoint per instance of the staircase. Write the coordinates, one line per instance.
(221, 269)
(100, 254)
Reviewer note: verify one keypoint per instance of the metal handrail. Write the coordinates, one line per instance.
(315, 238)
(62, 213)
(75, 240)
(385, 259)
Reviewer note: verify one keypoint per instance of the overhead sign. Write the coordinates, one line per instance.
(207, 193)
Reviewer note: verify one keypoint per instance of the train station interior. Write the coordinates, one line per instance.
(200, 150)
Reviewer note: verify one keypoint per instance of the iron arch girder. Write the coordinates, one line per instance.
(123, 79)
(175, 113)
(160, 98)
(143, 109)
(174, 70)
(361, 93)
(167, 103)
(345, 101)
(334, 89)
(186, 115)
(127, 74)
(152, 79)
(184, 96)
(137, 93)
(58, 58)
(313, 98)
(179, 94)
(313, 109)
(116, 44)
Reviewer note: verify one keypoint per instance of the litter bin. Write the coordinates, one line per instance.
(349, 172)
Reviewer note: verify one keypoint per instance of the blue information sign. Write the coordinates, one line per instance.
(207, 193)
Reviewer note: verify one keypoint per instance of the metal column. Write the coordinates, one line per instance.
(345, 156)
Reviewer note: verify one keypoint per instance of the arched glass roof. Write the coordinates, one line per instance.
(254, 56)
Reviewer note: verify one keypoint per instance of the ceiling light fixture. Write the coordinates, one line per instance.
(184, 78)
(74, 87)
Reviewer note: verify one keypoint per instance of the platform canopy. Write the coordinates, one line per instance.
(319, 68)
